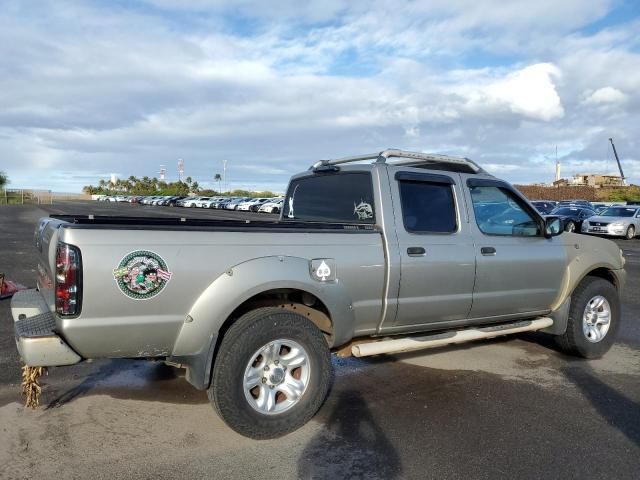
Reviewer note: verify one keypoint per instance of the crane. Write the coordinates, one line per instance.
(615, 153)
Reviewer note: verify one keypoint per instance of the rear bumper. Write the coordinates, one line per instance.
(35, 332)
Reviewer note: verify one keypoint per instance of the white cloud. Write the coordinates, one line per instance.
(605, 95)
(529, 92)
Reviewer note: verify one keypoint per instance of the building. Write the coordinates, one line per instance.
(595, 180)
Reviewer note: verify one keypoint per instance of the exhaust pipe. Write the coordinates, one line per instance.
(410, 344)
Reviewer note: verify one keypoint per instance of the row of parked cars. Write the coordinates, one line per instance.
(246, 204)
(616, 220)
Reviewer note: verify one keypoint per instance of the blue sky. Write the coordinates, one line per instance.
(90, 88)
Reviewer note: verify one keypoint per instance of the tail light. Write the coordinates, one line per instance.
(68, 280)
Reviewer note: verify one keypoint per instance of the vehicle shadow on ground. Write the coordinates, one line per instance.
(617, 410)
(131, 380)
(351, 445)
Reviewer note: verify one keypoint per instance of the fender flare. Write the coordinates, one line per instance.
(196, 341)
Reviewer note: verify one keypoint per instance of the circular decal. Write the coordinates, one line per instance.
(142, 274)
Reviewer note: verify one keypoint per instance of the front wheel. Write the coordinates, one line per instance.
(631, 232)
(570, 227)
(594, 318)
(271, 374)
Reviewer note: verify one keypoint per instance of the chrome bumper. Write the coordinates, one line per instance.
(605, 231)
(35, 331)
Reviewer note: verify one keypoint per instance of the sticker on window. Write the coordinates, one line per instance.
(363, 210)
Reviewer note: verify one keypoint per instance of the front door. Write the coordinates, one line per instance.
(519, 271)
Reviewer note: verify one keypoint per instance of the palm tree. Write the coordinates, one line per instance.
(4, 180)
(218, 178)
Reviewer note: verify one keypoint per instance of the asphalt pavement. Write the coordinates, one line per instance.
(507, 408)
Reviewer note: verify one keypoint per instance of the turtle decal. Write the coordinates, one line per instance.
(142, 274)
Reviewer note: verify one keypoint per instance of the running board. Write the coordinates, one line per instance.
(409, 344)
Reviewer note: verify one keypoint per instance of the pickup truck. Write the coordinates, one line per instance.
(381, 253)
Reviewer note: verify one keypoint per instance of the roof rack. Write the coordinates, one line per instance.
(410, 158)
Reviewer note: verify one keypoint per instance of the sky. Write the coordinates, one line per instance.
(91, 88)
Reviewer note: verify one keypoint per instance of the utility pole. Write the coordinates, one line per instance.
(224, 174)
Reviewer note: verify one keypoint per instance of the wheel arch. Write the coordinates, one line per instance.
(280, 281)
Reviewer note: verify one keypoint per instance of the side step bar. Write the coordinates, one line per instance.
(409, 344)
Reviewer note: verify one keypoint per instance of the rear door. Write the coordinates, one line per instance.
(436, 250)
(519, 271)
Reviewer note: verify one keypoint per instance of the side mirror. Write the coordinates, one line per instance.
(552, 227)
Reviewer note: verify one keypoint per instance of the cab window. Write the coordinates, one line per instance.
(427, 207)
(331, 197)
(499, 212)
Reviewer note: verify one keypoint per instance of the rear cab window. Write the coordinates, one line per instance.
(345, 197)
(428, 204)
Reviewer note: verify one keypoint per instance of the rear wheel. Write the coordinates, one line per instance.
(271, 374)
(570, 227)
(631, 232)
(594, 318)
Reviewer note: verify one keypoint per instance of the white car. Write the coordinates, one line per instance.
(192, 202)
(274, 206)
(246, 206)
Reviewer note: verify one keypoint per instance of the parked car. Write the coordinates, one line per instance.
(572, 217)
(222, 204)
(247, 204)
(191, 202)
(148, 200)
(233, 204)
(173, 202)
(274, 206)
(211, 202)
(576, 203)
(255, 207)
(252, 310)
(615, 222)
(544, 206)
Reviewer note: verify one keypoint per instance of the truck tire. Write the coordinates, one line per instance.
(271, 374)
(594, 318)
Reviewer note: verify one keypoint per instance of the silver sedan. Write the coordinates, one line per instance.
(615, 222)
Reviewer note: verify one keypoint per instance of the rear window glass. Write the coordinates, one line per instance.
(341, 197)
(427, 207)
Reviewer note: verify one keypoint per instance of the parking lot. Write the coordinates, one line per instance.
(507, 408)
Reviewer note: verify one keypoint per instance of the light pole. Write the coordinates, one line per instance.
(224, 174)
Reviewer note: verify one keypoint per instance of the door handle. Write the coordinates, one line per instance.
(416, 251)
(488, 251)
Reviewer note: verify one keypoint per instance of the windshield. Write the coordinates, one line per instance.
(619, 212)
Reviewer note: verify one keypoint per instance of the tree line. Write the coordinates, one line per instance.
(153, 186)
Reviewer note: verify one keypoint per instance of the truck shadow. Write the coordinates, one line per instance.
(130, 380)
(617, 410)
(350, 445)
